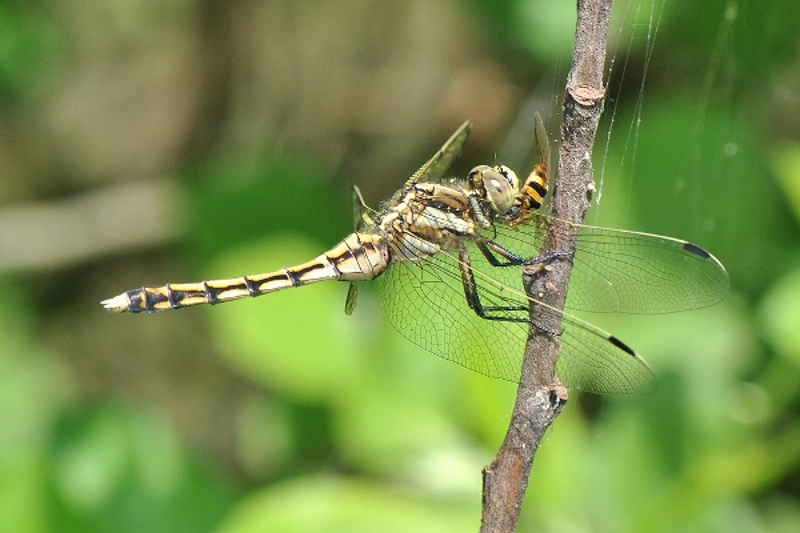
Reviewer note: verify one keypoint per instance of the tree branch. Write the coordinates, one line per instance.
(541, 397)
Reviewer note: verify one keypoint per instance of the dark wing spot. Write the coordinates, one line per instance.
(621, 345)
(696, 250)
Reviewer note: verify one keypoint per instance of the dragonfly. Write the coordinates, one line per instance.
(450, 254)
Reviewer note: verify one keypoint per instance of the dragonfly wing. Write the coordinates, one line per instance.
(595, 361)
(424, 300)
(437, 165)
(591, 359)
(632, 272)
(622, 271)
(362, 218)
(352, 298)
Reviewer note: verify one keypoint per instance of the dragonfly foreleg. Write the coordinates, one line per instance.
(489, 246)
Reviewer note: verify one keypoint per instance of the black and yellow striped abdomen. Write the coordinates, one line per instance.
(359, 257)
(535, 188)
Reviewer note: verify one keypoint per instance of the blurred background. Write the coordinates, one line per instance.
(143, 142)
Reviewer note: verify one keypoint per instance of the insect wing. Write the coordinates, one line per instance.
(437, 165)
(361, 211)
(591, 359)
(424, 300)
(632, 272)
(595, 361)
(352, 298)
(620, 271)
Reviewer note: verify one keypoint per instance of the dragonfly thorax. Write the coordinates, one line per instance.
(426, 218)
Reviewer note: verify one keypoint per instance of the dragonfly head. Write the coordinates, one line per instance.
(499, 185)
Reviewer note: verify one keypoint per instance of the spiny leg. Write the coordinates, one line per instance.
(473, 298)
(490, 312)
(490, 246)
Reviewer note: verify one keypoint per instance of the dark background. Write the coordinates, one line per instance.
(143, 142)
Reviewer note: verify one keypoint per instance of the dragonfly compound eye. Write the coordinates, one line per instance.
(502, 187)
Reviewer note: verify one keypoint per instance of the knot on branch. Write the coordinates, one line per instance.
(586, 95)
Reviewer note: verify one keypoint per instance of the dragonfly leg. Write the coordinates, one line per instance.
(489, 312)
(548, 258)
(474, 300)
(490, 246)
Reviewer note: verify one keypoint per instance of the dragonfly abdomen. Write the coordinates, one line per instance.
(359, 257)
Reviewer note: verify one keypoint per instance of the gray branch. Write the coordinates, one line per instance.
(541, 397)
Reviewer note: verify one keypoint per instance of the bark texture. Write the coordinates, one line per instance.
(541, 397)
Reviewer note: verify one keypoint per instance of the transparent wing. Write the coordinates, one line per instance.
(614, 271)
(594, 361)
(425, 302)
(620, 271)
(361, 221)
(437, 165)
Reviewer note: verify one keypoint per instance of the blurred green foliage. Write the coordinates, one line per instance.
(283, 414)
(29, 50)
